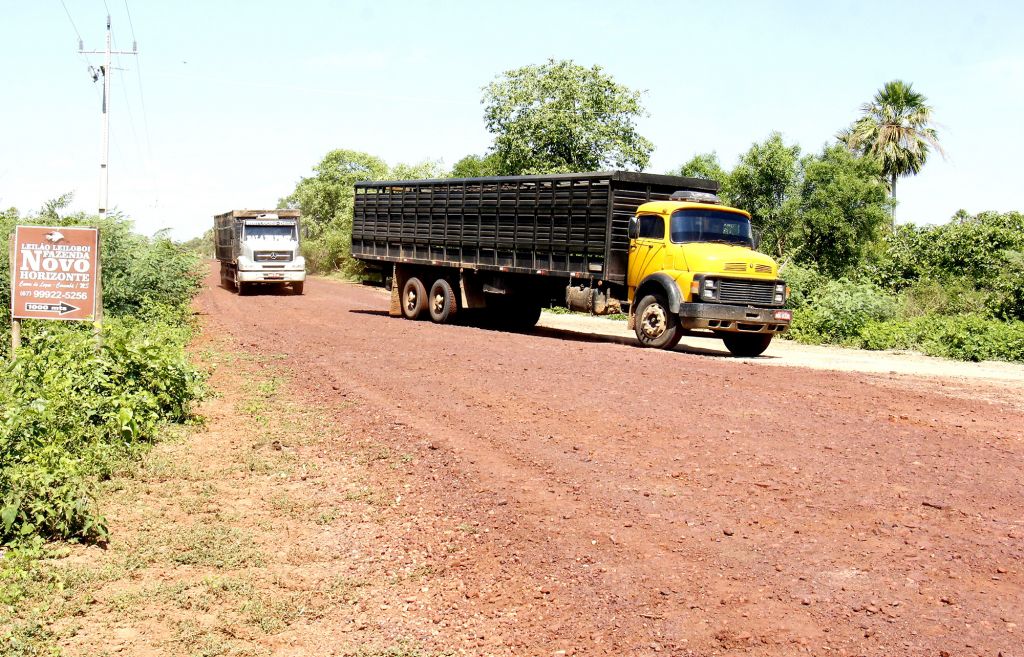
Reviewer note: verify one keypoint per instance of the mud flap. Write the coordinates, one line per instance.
(396, 298)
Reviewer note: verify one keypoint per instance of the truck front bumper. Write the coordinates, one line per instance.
(734, 319)
(271, 276)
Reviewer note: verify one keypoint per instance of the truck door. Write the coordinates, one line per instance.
(647, 251)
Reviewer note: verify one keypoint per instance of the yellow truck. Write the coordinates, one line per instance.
(503, 248)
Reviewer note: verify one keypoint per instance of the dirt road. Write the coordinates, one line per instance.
(375, 486)
(633, 502)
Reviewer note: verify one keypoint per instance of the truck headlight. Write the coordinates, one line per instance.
(708, 291)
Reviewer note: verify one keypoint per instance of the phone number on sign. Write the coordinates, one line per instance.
(56, 295)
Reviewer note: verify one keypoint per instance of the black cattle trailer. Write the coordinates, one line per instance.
(508, 245)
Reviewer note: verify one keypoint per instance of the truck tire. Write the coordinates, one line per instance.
(656, 326)
(414, 298)
(746, 344)
(297, 288)
(442, 302)
(243, 288)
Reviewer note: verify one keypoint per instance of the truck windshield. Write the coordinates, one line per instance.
(710, 226)
(269, 232)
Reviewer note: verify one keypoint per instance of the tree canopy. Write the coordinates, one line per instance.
(326, 197)
(895, 128)
(561, 117)
(765, 183)
(841, 207)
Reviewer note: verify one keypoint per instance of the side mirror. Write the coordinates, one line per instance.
(634, 228)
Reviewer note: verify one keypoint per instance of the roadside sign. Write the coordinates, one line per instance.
(54, 273)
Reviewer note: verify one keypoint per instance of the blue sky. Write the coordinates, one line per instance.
(230, 103)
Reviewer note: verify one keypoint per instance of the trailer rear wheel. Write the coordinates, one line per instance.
(442, 304)
(746, 344)
(414, 298)
(656, 326)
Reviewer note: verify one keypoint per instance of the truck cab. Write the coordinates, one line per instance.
(693, 269)
(260, 247)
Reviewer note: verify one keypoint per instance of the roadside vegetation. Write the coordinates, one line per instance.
(76, 407)
(953, 288)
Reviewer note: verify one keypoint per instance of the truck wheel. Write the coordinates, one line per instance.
(297, 288)
(243, 288)
(656, 326)
(746, 344)
(414, 298)
(442, 303)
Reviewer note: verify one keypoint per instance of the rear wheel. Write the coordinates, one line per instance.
(656, 326)
(442, 303)
(746, 344)
(414, 298)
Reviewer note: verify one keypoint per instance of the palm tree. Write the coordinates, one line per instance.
(896, 129)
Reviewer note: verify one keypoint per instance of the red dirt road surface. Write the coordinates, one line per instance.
(624, 501)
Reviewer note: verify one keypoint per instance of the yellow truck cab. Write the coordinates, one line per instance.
(693, 269)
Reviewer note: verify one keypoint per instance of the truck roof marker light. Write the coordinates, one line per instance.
(695, 197)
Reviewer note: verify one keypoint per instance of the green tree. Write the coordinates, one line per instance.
(428, 169)
(561, 117)
(766, 183)
(895, 128)
(841, 207)
(706, 167)
(476, 166)
(326, 197)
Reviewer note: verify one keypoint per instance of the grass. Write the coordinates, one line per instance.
(188, 567)
(218, 546)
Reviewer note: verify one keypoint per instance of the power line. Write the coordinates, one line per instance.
(138, 75)
(142, 102)
(73, 26)
(106, 71)
(78, 34)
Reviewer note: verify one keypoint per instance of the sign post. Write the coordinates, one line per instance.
(54, 275)
(15, 322)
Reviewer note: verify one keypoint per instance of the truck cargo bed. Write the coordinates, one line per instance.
(571, 225)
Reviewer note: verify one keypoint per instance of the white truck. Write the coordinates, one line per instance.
(259, 247)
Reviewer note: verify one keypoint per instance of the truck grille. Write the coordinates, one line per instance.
(742, 266)
(272, 256)
(746, 292)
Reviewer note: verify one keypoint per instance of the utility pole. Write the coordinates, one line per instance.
(105, 71)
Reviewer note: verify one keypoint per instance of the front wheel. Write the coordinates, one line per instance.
(747, 345)
(656, 326)
(414, 298)
(297, 288)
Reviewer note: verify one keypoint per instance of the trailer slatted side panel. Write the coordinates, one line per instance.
(563, 225)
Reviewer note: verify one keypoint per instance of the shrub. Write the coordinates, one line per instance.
(72, 412)
(804, 283)
(928, 296)
(962, 337)
(839, 311)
